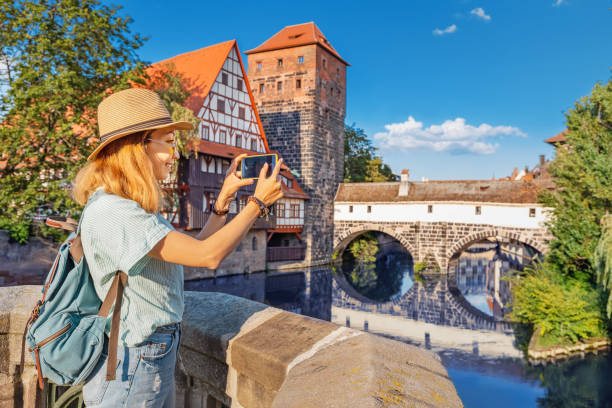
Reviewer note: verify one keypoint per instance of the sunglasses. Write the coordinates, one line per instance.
(172, 146)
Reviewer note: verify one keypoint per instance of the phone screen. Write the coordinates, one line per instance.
(251, 165)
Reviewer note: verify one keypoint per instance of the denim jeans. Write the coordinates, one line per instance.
(145, 374)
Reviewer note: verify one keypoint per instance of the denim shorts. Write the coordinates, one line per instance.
(144, 376)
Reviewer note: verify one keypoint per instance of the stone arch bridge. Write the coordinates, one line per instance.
(438, 242)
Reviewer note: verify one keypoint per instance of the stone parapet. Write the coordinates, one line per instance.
(245, 354)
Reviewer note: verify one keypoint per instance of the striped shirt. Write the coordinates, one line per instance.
(117, 234)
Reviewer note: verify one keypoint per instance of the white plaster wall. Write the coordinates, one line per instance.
(505, 215)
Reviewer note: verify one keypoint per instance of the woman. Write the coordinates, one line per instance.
(121, 229)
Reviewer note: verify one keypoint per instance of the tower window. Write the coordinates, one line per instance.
(254, 244)
(239, 84)
(221, 105)
(224, 78)
(324, 62)
(430, 209)
(279, 86)
(279, 62)
(241, 113)
(301, 59)
(478, 210)
(331, 91)
(261, 88)
(259, 65)
(298, 83)
(532, 212)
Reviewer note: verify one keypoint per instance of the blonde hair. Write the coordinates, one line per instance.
(123, 168)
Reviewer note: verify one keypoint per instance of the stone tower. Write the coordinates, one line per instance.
(299, 84)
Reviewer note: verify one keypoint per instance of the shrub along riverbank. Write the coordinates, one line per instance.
(566, 297)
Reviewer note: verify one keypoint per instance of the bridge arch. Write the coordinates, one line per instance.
(341, 241)
(455, 250)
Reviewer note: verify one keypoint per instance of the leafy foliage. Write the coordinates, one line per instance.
(582, 171)
(360, 161)
(566, 309)
(602, 261)
(59, 59)
(363, 274)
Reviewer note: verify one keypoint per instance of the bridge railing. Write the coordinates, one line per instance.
(241, 353)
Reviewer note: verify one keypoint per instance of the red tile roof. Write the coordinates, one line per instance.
(558, 138)
(501, 191)
(296, 36)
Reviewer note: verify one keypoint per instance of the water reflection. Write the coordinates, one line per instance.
(378, 267)
(480, 269)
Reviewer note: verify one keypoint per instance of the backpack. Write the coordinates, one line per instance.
(65, 332)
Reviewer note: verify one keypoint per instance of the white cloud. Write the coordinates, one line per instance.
(448, 30)
(557, 3)
(452, 135)
(480, 13)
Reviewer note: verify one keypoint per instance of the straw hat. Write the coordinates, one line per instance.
(130, 111)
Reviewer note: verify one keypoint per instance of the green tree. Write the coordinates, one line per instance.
(58, 59)
(361, 164)
(582, 172)
(363, 274)
(602, 261)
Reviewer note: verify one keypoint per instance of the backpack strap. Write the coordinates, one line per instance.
(114, 295)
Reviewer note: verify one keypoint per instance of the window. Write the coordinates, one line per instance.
(211, 165)
(224, 78)
(532, 212)
(241, 113)
(430, 209)
(298, 83)
(369, 208)
(254, 145)
(254, 244)
(238, 140)
(478, 210)
(280, 208)
(279, 86)
(350, 208)
(204, 203)
(289, 183)
(221, 105)
(222, 135)
(219, 166)
(331, 91)
(209, 200)
(242, 203)
(204, 134)
(324, 63)
(225, 166)
(301, 59)
(259, 65)
(261, 88)
(279, 62)
(239, 84)
(295, 210)
(232, 209)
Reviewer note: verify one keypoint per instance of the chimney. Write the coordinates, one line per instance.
(542, 160)
(404, 183)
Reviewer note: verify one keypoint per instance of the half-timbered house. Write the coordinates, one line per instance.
(221, 97)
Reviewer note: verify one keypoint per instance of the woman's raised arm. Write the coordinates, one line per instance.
(180, 248)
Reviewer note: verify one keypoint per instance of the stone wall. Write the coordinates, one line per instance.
(245, 354)
(25, 264)
(438, 242)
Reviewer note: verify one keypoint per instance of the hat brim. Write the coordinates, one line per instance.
(173, 126)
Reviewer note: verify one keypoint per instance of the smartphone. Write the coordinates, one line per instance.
(251, 165)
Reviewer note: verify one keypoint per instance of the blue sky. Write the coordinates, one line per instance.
(455, 89)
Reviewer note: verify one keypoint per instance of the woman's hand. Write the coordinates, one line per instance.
(268, 189)
(232, 183)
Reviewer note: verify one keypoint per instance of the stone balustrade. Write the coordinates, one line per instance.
(241, 353)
